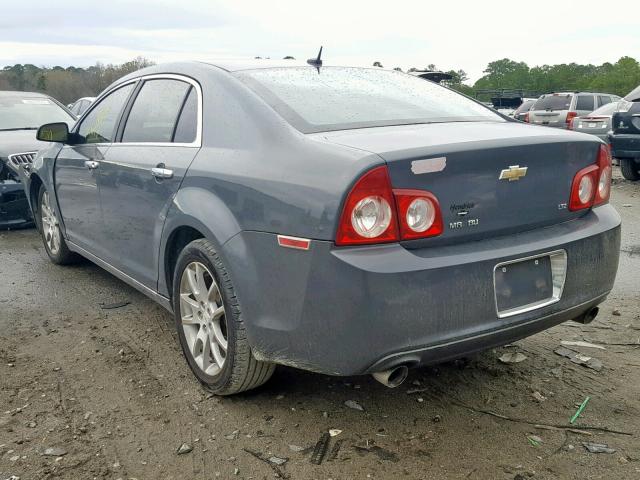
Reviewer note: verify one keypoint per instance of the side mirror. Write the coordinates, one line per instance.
(53, 132)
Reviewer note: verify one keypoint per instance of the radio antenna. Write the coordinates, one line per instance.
(316, 62)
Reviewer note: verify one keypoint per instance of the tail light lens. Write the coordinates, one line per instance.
(570, 126)
(369, 211)
(374, 213)
(526, 118)
(592, 185)
(419, 214)
(604, 180)
(570, 117)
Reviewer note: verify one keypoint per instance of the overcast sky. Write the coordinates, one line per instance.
(449, 34)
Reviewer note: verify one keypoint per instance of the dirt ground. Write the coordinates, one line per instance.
(88, 392)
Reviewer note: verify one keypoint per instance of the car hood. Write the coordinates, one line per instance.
(19, 141)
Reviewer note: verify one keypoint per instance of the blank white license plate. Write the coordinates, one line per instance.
(592, 125)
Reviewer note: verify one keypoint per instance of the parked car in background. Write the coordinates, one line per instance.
(381, 223)
(21, 113)
(596, 123)
(520, 113)
(80, 106)
(557, 109)
(625, 135)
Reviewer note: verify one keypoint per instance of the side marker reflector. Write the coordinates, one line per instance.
(294, 242)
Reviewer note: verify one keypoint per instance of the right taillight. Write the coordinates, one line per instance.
(592, 185)
(570, 117)
(374, 213)
(526, 118)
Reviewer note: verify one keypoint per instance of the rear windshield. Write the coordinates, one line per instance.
(553, 102)
(339, 98)
(525, 107)
(18, 112)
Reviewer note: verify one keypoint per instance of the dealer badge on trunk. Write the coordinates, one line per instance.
(513, 173)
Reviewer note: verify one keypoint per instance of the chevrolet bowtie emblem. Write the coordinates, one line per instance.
(514, 172)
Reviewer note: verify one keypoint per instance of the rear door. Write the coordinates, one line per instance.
(77, 167)
(159, 138)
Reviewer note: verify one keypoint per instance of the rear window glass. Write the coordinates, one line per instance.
(338, 98)
(585, 102)
(155, 111)
(553, 102)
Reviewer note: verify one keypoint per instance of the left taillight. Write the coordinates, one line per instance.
(369, 213)
(375, 213)
(591, 186)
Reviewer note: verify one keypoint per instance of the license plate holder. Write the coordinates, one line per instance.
(525, 284)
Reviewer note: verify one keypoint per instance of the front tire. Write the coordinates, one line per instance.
(630, 169)
(210, 326)
(54, 243)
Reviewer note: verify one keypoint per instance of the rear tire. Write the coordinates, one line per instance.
(210, 325)
(54, 243)
(630, 169)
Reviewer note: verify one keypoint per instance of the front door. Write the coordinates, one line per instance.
(143, 171)
(77, 168)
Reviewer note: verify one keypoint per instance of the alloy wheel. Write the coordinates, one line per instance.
(203, 318)
(50, 228)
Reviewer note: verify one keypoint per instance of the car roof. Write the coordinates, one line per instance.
(233, 65)
(578, 93)
(16, 93)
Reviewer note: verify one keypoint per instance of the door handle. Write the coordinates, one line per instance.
(159, 172)
(91, 164)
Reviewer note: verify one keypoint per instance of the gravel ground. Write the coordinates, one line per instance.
(88, 392)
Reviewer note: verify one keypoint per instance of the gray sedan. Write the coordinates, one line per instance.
(339, 220)
(596, 123)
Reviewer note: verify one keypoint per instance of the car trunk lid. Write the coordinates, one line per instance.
(462, 165)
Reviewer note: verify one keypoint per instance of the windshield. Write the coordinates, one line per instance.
(525, 107)
(553, 102)
(21, 112)
(607, 109)
(341, 98)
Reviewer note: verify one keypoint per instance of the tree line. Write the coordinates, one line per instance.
(71, 83)
(66, 84)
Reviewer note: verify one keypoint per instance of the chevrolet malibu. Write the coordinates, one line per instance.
(340, 220)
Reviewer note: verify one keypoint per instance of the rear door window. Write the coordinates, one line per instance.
(603, 100)
(553, 102)
(155, 111)
(99, 125)
(187, 126)
(585, 102)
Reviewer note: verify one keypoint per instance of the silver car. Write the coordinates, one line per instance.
(557, 109)
(597, 123)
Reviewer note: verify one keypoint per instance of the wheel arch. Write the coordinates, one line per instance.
(195, 213)
(35, 183)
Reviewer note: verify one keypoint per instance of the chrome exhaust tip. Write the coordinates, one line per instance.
(393, 377)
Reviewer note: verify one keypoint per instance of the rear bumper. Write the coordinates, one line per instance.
(625, 145)
(348, 311)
